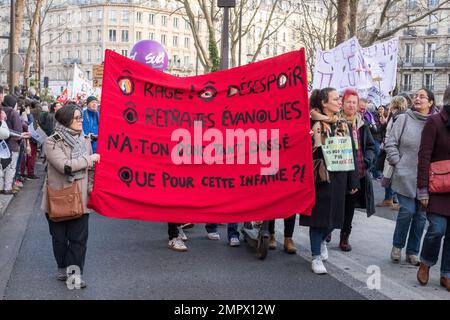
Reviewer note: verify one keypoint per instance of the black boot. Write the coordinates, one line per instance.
(344, 244)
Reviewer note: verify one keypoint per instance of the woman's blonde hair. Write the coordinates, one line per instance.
(398, 103)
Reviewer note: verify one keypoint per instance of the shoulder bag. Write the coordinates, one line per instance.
(439, 180)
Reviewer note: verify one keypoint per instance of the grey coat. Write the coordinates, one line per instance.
(402, 150)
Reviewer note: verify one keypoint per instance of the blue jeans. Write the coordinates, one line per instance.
(439, 227)
(410, 218)
(316, 237)
(376, 173)
(232, 229)
(388, 193)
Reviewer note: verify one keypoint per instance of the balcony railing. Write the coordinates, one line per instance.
(421, 63)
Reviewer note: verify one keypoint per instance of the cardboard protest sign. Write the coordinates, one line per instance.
(229, 146)
(338, 154)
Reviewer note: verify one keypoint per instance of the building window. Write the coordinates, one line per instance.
(430, 52)
(151, 36)
(88, 74)
(448, 82)
(59, 56)
(69, 37)
(151, 19)
(125, 53)
(139, 17)
(125, 16)
(186, 25)
(78, 54)
(89, 36)
(187, 43)
(50, 57)
(124, 35)
(112, 16)
(89, 56)
(99, 35)
(407, 84)
(68, 54)
(164, 21)
(408, 52)
(186, 61)
(79, 36)
(112, 35)
(99, 55)
(429, 81)
(89, 16)
(175, 23)
(163, 39)
(50, 37)
(175, 41)
(138, 35)
(100, 15)
(432, 4)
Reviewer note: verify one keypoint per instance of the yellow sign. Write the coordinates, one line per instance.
(97, 75)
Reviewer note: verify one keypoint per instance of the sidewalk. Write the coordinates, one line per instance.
(5, 200)
(371, 240)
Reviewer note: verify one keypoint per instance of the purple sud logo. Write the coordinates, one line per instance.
(126, 84)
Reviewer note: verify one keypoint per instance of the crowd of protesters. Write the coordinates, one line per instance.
(392, 145)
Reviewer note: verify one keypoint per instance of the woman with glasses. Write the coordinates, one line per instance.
(402, 149)
(69, 160)
(435, 146)
(334, 183)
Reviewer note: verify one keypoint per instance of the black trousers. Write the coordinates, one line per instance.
(350, 201)
(172, 230)
(289, 224)
(69, 240)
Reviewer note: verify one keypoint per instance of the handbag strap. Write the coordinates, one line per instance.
(403, 130)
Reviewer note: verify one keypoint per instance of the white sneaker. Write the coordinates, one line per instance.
(213, 236)
(323, 251)
(234, 242)
(318, 267)
(396, 254)
(182, 235)
(177, 244)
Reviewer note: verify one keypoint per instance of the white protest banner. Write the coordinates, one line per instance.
(342, 67)
(82, 87)
(351, 66)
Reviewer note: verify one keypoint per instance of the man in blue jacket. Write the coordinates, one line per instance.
(90, 120)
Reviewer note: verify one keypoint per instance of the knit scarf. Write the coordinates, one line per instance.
(447, 109)
(77, 143)
(356, 122)
(327, 126)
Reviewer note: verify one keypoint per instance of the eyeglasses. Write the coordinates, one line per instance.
(78, 118)
(420, 97)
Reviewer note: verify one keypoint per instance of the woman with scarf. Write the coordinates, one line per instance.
(402, 149)
(69, 160)
(435, 146)
(328, 212)
(365, 156)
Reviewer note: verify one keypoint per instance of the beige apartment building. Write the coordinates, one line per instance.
(80, 33)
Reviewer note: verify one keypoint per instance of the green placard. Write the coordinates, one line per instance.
(338, 154)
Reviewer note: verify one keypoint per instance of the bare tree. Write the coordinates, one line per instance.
(342, 21)
(31, 43)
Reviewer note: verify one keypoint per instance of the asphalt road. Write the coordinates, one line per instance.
(130, 260)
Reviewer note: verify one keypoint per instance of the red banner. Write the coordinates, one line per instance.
(229, 146)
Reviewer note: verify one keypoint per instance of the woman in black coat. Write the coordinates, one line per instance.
(328, 212)
(364, 148)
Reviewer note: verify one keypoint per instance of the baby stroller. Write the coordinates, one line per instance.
(256, 234)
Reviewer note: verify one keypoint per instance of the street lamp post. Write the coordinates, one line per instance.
(226, 5)
(11, 47)
(240, 30)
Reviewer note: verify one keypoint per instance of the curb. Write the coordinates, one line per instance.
(5, 200)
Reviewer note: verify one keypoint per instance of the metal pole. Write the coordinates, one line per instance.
(39, 55)
(240, 31)
(225, 36)
(11, 47)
